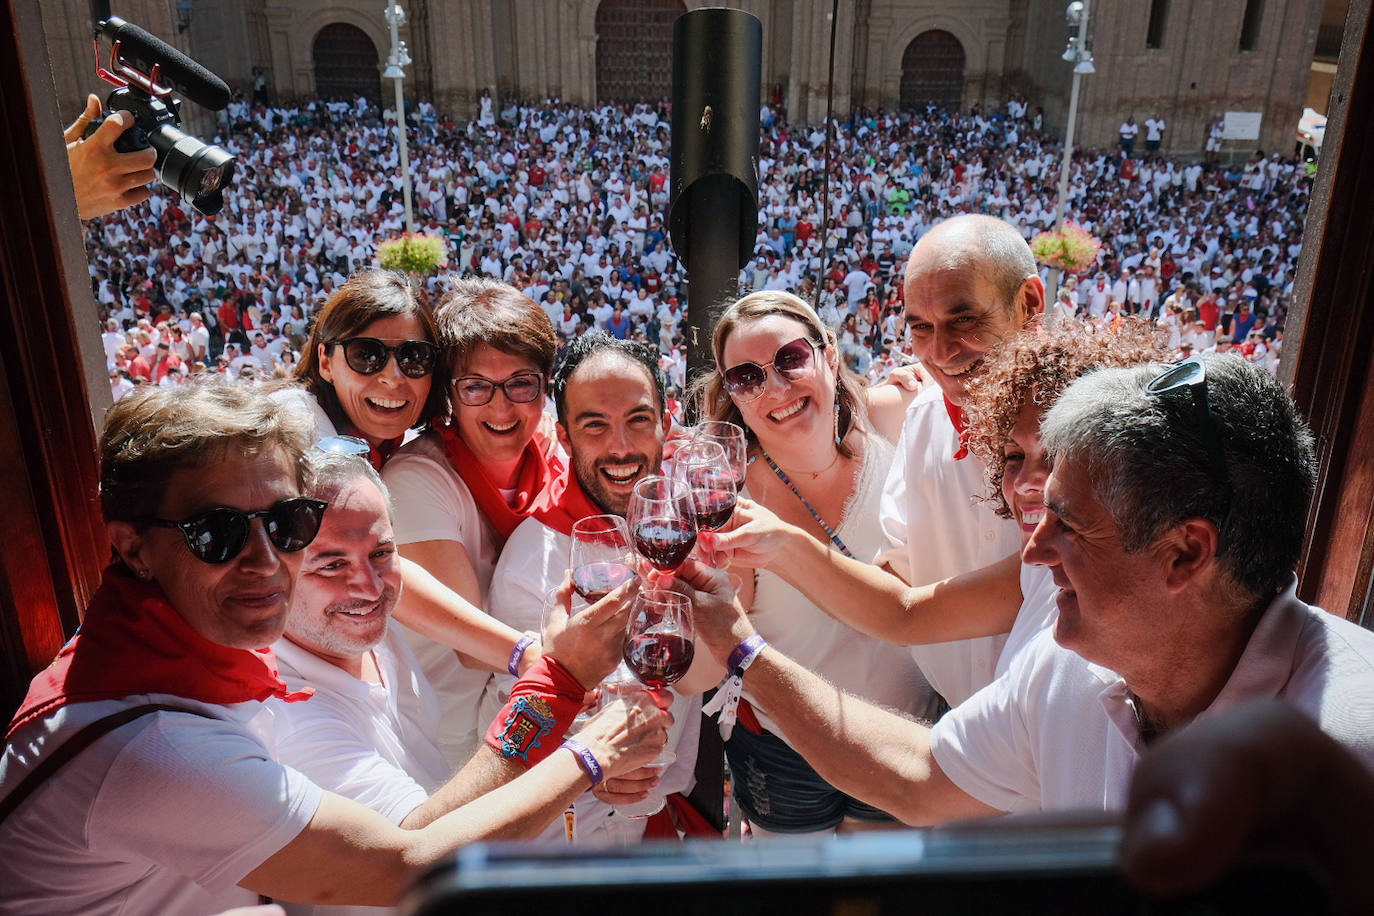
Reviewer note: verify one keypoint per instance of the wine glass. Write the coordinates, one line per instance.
(702, 466)
(659, 645)
(622, 683)
(602, 557)
(662, 521)
(731, 439)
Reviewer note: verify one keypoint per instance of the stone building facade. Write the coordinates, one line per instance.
(1185, 59)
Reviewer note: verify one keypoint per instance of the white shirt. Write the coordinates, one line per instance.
(861, 665)
(532, 564)
(165, 814)
(432, 503)
(936, 527)
(373, 743)
(1038, 611)
(1056, 733)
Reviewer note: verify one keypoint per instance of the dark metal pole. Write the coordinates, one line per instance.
(713, 216)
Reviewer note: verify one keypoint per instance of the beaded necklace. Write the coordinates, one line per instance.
(834, 538)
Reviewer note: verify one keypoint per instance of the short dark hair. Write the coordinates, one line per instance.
(599, 342)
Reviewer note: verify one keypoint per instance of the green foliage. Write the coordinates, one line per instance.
(414, 254)
(1073, 250)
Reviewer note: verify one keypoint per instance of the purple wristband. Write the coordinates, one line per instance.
(745, 650)
(518, 653)
(587, 759)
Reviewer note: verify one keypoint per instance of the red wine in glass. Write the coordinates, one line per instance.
(714, 508)
(659, 659)
(595, 581)
(665, 542)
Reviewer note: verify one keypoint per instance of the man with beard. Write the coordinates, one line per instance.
(369, 732)
(609, 394)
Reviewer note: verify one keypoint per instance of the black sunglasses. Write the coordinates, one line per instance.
(1191, 374)
(368, 356)
(747, 381)
(520, 388)
(218, 535)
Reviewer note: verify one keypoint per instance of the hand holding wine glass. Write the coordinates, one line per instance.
(702, 465)
(662, 521)
(590, 643)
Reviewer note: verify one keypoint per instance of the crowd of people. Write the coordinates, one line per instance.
(568, 204)
(992, 595)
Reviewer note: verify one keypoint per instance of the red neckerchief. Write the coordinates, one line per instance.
(133, 642)
(563, 503)
(376, 454)
(956, 416)
(535, 475)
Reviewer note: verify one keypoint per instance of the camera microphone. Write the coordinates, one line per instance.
(143, 51)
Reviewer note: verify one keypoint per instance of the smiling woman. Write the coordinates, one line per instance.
(816, 465)
(461, 488)
(371, 361)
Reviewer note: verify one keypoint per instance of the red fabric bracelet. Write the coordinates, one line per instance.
(543, 703)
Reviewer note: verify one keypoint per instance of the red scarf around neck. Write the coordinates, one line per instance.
(956, 416)
(133, 642)
(536, 473)
(564, 503)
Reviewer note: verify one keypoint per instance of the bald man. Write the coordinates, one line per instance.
(971, 281)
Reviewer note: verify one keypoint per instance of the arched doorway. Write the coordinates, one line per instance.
(345, 63)
(634, 49)
(933, 71)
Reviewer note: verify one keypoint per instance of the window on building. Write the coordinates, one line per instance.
(1159, 12)
(1250, 25)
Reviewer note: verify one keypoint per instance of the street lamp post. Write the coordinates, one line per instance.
(1077, 54)
(396, 63)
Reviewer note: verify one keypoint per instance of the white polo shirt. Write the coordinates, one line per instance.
(1055, 732)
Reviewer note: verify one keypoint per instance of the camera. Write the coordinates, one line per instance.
(139, 63)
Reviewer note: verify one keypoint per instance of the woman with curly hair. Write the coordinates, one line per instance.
(1022, 379)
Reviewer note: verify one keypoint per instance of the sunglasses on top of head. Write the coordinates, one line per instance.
(218, 535)
(747, 381)
(368, 356)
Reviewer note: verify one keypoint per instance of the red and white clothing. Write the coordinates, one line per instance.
(532, 564)
(937, 526)
(431, 502)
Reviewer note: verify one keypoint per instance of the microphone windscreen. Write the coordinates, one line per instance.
(143, 50)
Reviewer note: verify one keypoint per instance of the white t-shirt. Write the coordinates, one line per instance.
(373, 743)
(165, 814)
(937, 526)
(1038, 611)
(532, 564)
(432, 503)
(1055, 732)
(861, 665)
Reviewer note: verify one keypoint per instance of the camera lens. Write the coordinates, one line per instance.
(195, 170)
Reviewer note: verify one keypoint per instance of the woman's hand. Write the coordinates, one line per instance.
(755, 538)
(909, 377)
